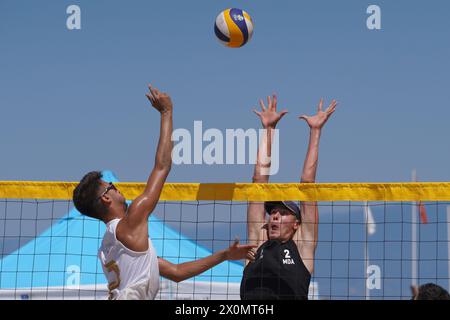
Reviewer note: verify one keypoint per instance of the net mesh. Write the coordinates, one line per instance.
(367, 249)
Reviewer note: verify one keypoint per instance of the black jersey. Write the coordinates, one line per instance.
(278, 272)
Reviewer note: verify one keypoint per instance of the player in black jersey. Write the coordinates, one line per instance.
(282, 265)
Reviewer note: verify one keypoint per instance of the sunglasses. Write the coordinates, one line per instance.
(283, 212)
(109, 187)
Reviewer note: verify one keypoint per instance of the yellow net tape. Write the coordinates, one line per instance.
(430, 191)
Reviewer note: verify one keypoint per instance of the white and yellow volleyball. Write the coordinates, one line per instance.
(233, 27)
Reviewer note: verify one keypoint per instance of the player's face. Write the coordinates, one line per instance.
(116, 196)
(282, 224)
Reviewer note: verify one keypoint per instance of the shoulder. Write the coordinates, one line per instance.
(111, 227)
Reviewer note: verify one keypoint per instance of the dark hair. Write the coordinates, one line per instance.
(431, 291)
(85, 195)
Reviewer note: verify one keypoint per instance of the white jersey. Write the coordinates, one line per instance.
(131, 275)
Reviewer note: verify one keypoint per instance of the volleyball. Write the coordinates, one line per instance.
(233, 27)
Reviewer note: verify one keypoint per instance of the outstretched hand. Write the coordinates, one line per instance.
(238, 251)
(160, 100)
(269, 116)
(318, 121)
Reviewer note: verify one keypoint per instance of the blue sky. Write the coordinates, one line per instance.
(73, 101)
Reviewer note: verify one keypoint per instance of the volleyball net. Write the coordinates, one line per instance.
(374, 241)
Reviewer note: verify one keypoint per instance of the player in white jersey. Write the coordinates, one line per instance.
(128, 257)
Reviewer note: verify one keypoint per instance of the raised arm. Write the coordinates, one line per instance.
(183, 271)
(310, 216)
(255, 212)
(134, 225)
